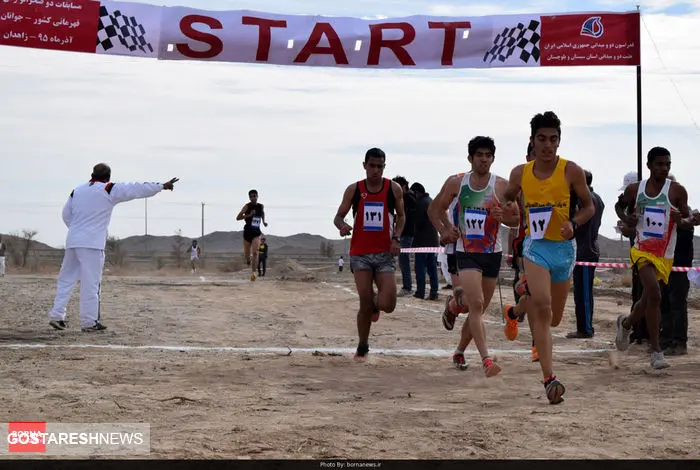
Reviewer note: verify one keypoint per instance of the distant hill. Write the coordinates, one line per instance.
(232, 242)
(305, 243)
(300, 243)
(18, 241)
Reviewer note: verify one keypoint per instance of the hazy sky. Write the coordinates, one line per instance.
(298, 135)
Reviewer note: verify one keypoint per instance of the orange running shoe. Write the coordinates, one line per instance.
(535, 355)
(511, 327)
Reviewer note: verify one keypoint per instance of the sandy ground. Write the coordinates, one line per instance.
(212, 403)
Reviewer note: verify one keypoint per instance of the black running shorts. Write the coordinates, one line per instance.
(489, 264)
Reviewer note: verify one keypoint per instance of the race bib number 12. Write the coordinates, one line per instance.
(654, 222)
(373, 217)
(539, 218)
(474, 222)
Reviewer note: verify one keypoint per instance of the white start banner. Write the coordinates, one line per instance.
(420, 42)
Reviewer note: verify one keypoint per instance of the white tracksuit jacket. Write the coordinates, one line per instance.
(88, 211)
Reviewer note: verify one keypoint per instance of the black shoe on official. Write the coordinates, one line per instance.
(58, 324)
(96, 327)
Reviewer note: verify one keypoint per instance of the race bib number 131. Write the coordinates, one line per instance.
(373, 217)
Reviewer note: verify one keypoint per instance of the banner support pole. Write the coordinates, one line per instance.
(639, 109)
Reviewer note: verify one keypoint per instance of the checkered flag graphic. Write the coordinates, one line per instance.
(520, 38)
(126, 29)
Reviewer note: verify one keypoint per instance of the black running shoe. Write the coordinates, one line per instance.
(58, 324)
(96, 327)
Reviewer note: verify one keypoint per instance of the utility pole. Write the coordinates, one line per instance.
(145, 218)
(202, 220)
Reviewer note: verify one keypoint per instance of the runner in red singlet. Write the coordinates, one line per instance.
(377, 206)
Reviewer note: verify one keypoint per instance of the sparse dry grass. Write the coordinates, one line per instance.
(622, 280)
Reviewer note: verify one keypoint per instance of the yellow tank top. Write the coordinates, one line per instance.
(547, 202)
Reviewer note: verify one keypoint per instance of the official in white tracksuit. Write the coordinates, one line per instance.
(3, 247)
(87, 214)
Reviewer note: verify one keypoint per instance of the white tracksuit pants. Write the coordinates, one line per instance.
(84, 264)
(442, 258)
(2, 265)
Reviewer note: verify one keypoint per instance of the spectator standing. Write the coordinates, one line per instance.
(406, 240)
(587, 249)
(262, 256)
(674, 296)
(639, 331)
(426, 236)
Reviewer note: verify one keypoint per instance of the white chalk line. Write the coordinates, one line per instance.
(286, 350)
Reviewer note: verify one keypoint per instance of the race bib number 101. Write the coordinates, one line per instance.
(654, 222)
(539, 218)
(373, 217)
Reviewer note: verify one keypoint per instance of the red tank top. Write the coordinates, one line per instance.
(373, 225)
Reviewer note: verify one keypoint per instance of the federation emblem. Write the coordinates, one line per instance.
(593, 27)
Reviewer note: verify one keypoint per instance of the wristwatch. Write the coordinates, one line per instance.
(574, 225)
(397, 239)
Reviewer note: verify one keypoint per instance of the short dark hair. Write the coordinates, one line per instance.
(401, 180)
(530, 147)
(376, 153)
(252, 191)
(481, 142)
(657, 152)
(101, 172)
(589, 177)
(546, 120)
(417, 187)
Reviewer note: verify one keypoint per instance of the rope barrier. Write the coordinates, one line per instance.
(439, 249)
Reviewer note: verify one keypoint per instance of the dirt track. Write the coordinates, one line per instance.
(228, 404)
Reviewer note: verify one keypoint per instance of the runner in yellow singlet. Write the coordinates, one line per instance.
(549, 250)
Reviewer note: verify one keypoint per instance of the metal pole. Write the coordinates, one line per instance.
(639, 109)
(146, 217)
(202, 219)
